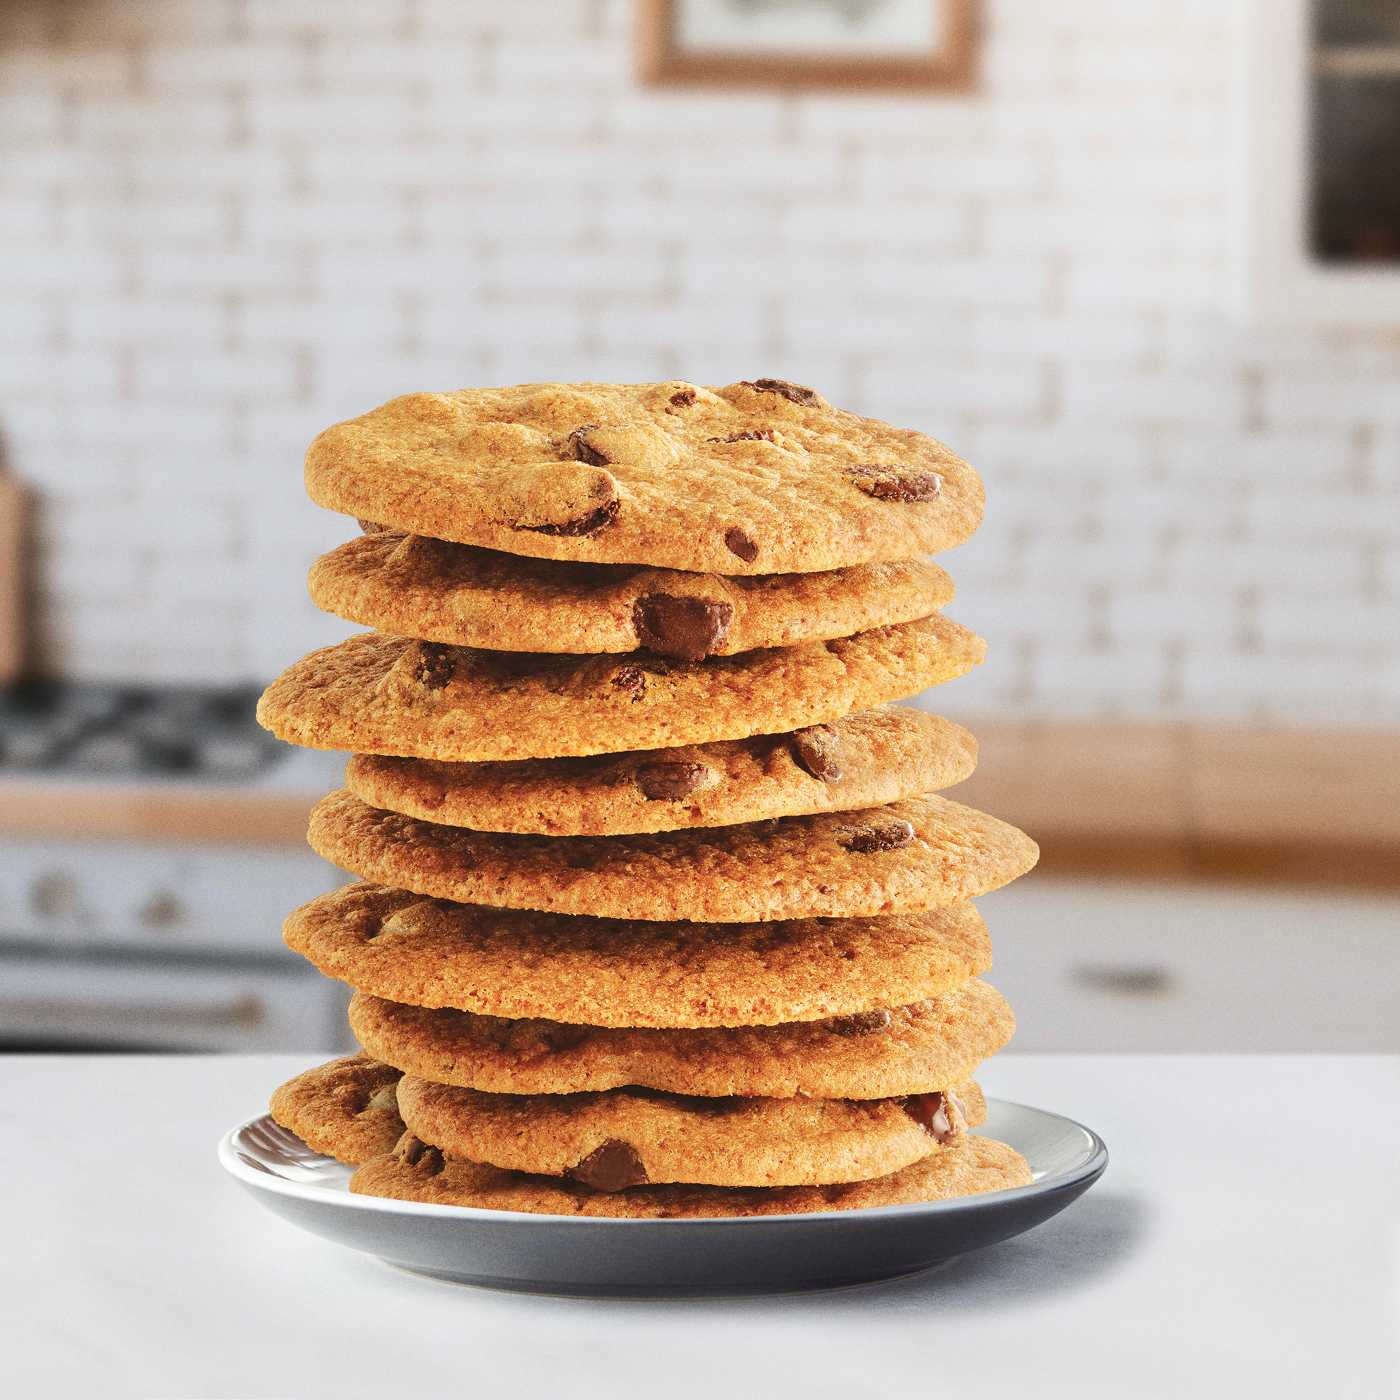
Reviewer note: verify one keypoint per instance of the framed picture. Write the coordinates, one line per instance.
(909, 44)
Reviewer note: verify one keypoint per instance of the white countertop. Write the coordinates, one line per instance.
(1245, 1241)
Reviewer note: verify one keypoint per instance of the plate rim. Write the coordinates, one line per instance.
(255, 1178)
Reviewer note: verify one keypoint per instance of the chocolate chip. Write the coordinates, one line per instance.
(815, 750)
(612, 1167)
(687, 628)
(882, 836)
(630, 679)
(934, 1114)
(668, 782)
(589, 523)
(896, 483)
(584, 450)
(860, 1022)
(414, 1152)
(737, 542)
(683, 398)
(757, 435)
(372, 527)
(435, 666)
(794, 393)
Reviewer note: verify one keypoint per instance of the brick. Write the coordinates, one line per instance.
(938, 174)
(310, 118)
(249, 171)
(687, 119)
(1101, 394)
(206, 67)
(86, 372)
(442, 275)
(88, 70)
(105, 22)
(326, 221)
(163, 272)
(315, 18)
(542, 271)
(162, 122)
(446, 323)
(165, 375)
(152, 223)
(446, 222)
(187, 324)
(828, 224)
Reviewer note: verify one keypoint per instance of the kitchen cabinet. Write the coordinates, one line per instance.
(1114, 965)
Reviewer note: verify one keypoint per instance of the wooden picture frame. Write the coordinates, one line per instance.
(951, 68)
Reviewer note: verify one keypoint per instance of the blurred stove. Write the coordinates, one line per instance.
(200, 732)
(163, 943)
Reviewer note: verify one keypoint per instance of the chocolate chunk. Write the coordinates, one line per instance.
(630, 679)
(860, 1022)
(435, 666)
(683, 398)
(612, 1167)
(896, 483)
(372, 527)
(687, 628)
(816, 751)
(934, 1113)
(882, 836)
(589, 523)
(794, 393)
(737, 542)
(668, 782)
(414, 1152)
(584, 450)
(757, 435)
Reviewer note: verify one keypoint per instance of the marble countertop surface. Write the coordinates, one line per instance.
(1244, 1241)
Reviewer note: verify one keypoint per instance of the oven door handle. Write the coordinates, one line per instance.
(245, 1011)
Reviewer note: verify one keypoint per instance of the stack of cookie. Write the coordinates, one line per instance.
(658, 913)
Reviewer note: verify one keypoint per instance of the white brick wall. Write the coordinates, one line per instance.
(226, 223)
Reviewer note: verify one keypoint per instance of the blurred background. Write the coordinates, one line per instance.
(1139, 263)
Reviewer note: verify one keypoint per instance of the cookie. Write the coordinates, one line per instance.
(346, 1109)
(903, 857)
(413, 1171)
(632, 1137)
(759, 477)
(413, 586)
(387, 695)
(863, 760)
(916, 1049)
(602, 972)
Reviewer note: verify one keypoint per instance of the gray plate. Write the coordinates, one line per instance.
(568, 1254)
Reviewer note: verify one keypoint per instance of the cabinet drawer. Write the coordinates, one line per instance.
(1147, 967)
(107, 1001)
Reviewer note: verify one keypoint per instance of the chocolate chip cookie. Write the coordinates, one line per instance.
(346, 1109)
(634, 1137)
(604, 972)
(900, 858)
(915, 1049)
(387, 695)
(413, 586)
(863, 760)
(413, 1171)
(759, 477)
